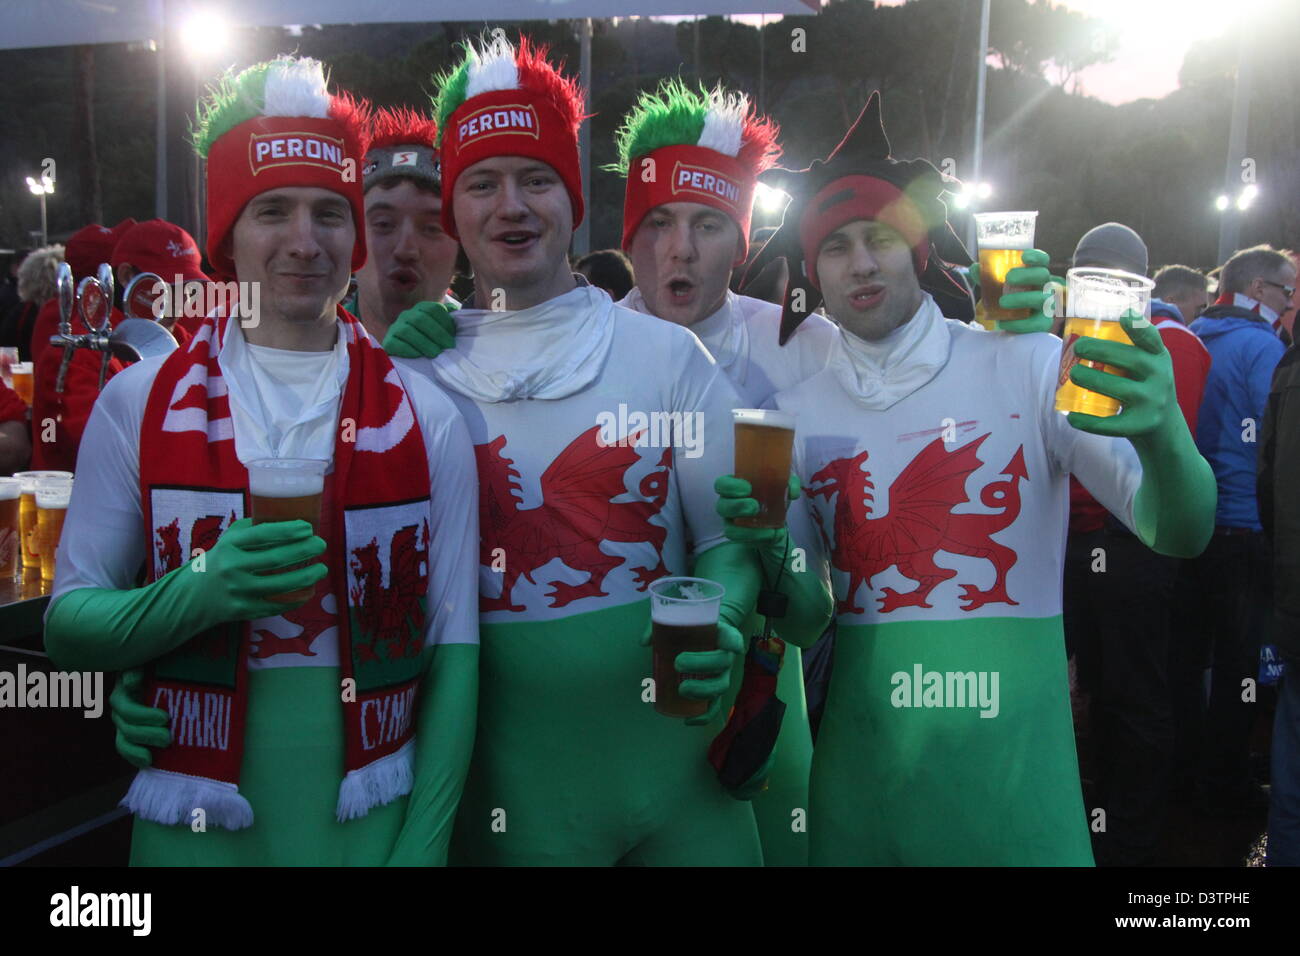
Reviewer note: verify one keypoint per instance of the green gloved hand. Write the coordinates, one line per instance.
(735, 501)
(717, 664)
(101, 629)
(423, 331)
(1147, 394)
(139, 727)
(810, 603)
(1174, 508)
(1040, 301)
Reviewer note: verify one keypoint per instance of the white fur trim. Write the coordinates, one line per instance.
(377, 783)
(171, 799)
(724, 122)
(493, 68)
(296, 87)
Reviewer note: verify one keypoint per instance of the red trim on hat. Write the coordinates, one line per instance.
(865, 198)
(509, 123)
(275, 152)
(689, 173)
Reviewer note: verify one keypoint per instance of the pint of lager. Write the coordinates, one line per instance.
(684, 617)
(27, 525)
(1095, 301)
(23, 381)
(764, 441)
(52, 497)
(287, 489)
(10, 491)
(1003, 238)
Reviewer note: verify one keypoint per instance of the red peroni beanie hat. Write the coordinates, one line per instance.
(505, 102)
(272, 126)
(708, 147)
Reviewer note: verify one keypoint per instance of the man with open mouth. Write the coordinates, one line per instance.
(411, 258)
(572, 764)
(935, 477)
(692, 160)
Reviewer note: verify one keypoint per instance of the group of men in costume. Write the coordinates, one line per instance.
(508, 654)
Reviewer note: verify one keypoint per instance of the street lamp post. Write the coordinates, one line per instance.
(40, 189)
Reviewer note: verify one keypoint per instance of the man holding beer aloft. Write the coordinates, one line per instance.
(934, 471)
(692, 161)
(585, 501)
(318, 675)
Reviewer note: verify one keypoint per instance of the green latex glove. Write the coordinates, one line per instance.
(736, 569)
(101, 629)
(810, 603)
(423, 331)
(1042, 303)
(731, 644)
(1174, 508)
(139, 727)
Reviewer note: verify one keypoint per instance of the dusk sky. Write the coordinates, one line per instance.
(1155, 35)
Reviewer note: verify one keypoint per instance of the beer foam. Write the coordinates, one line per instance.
(56, 497)
(29, 478)
(763, 416)
(10, 488)
(285, 480)
(684, 615)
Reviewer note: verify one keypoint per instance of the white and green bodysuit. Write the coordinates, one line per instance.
(935, 473)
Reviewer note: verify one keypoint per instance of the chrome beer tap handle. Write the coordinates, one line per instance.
(101, 333)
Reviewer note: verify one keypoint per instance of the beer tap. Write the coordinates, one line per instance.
(67, 299)
(145, 300)
(105, 278)
(135, 338)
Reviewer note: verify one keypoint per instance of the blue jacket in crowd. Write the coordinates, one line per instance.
(1245, 351)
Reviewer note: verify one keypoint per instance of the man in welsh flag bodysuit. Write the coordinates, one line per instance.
(934, 471)
(585, 499)
(692, 160)
(332, 731)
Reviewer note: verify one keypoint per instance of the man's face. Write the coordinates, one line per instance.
(1191, 303)
(1275, 289)
(515, 222)
(410, 258)
(682, 254)
(867, 278)
(296, 243)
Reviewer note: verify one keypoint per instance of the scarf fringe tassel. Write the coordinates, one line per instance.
(377, 783)
(171, 798)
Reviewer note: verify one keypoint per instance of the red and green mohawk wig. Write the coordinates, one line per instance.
(275, 125)
(505, 102)
(403, 145)
(706, 146)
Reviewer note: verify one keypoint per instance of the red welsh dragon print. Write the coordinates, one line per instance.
(920, 523)
(577, 513)
(385, 613)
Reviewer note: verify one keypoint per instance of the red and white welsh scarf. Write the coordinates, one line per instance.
(375, 524)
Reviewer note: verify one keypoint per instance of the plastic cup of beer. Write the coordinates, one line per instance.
(1095, 301)
(23, 381)
(27, 523)
(684, 617)
(10, 547)
(764, 442)
(287, 489)
(1003, 238)
(52, 497)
